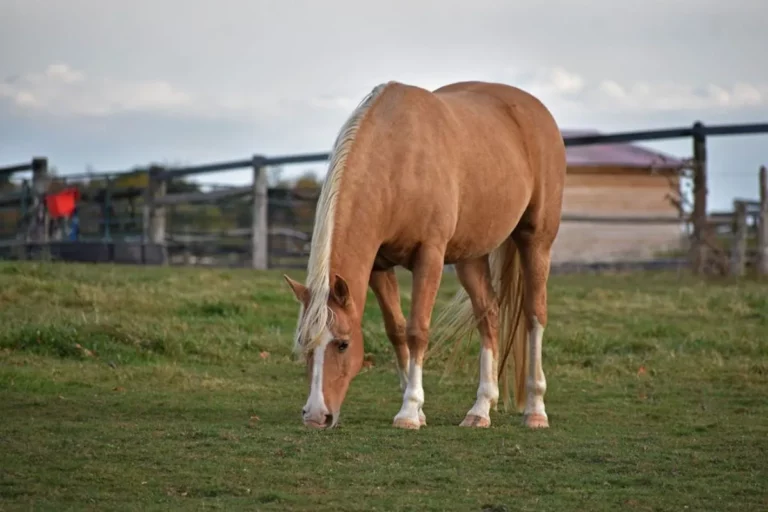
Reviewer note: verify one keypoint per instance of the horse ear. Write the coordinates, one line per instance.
(340, 291)
(299, 290)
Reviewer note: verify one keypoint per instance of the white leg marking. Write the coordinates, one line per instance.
(315, 409)
(403, 373)
(488, 387)
(536, 384)
(413, 398)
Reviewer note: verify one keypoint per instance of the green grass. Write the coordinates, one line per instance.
(128, 388)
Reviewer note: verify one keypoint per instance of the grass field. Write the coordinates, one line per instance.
(128, 388)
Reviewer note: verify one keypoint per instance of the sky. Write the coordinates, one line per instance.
(112, 85)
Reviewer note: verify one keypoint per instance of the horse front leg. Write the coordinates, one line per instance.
(385, 288)
(427, 272)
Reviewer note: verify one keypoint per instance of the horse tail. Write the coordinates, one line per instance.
(457, 320)
(507, 276)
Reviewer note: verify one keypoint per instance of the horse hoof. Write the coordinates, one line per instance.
(475, 421)
(406, 424)
(536, 421)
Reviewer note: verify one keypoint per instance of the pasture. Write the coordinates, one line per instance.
(125, 388)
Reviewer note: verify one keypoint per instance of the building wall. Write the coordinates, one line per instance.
(618, 193)
(621, 193)
(591, 242)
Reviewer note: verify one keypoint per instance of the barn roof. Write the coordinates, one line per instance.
(620, 154)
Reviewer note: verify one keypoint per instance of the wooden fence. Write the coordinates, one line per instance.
(26, 204)
(748, 225)
(268, 241)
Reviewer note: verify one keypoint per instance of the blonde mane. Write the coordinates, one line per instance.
(317, 316)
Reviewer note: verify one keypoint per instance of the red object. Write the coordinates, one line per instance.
(62, 203)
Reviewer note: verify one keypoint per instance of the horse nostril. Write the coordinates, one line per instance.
(328, 420)
(303, 412)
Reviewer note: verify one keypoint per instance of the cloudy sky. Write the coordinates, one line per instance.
(113, 84)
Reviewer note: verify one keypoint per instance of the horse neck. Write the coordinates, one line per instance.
(358, 222)
(354, 247)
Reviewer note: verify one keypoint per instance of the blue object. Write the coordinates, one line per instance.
(74, 226)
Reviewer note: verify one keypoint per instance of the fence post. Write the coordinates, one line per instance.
(698, 248)
(40, 180)
(259, 228)
(739, 242)
(762, 226)
(26, 217)
(145, 211)
(106, 211)
(153, 231)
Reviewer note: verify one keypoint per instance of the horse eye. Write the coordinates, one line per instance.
(343, 346)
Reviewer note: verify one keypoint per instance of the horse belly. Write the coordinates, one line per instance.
(466, 246)
(486, 220)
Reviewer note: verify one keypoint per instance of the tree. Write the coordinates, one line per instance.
(308, 180)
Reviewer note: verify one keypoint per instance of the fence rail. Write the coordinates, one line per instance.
(155, 201)
(203, 197)
(623, 219)
(697, 130)
(13, 169)
(208, 168)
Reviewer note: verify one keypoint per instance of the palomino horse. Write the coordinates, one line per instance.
(470, 174)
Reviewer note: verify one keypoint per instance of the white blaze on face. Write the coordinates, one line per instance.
(315, 408)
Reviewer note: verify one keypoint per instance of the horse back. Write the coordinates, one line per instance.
(466, 158)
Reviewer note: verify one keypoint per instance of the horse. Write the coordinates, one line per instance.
(471, 175)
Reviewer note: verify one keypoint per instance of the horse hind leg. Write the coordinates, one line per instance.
(387, 292)
(475, 277)
(536, 261)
